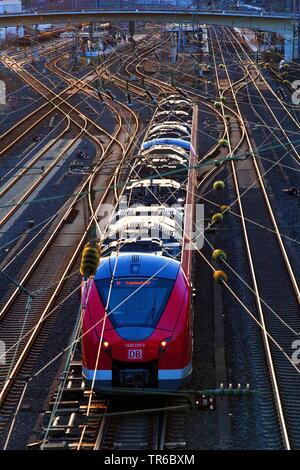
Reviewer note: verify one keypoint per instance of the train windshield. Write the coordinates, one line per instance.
(135, 302)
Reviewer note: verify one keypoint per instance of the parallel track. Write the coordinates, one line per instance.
(52, 264)
(254, 204)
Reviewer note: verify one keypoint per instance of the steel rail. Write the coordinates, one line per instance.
(75, 254)
(270, 210)
(32, 162)
(39, 180)
(82, 131)
(34, 334)
(277, 397)
(115, 106)
(260, 75)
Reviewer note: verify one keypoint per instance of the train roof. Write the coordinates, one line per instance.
(166, 150)
(176, 100)
(142, 265)
(163, 182)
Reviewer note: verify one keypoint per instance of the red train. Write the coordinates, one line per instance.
(136, 310)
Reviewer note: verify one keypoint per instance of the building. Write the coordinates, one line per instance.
(10, 6)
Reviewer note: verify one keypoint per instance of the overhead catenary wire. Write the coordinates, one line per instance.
(167, 173)
(77, 341)
(231, 268)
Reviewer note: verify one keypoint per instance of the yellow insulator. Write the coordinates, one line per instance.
(222, 66)
(224, 208)
(218, 185)
(223, 143)
(90, 260)
(223, 99)
(227, 117)
(216, 218)
(217, 104)
(219, 255)
(220, 276)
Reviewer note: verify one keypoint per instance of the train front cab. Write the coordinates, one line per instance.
(147, 338)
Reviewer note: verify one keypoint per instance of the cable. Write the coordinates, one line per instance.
(111, 312)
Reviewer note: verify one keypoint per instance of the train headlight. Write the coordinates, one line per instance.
(164, 344)
(106, 345)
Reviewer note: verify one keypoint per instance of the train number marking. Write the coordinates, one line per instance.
(135, 353)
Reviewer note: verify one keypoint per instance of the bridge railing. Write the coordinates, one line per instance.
(61, 6)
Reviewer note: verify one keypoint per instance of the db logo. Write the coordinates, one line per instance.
(135, 353)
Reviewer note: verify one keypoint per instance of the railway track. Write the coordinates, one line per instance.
(163, 88)
(254, 204)
(52, 264)
(119, 430)
(280, 264)
(100, 138)
(24, 183)
(279, 164)
(143, 428)
(23, 173)
(254, 73)
(158, 430)
(105, 426)
(21, 184)
(117, 107)
(155, 423)
(18, 131)
(114, 432)
(27, 124)
(132, 431)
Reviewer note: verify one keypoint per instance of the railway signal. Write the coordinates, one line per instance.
(100, 95)
(206, 400)
(129, 100)
(109, 93)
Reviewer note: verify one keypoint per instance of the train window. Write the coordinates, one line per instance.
(135, 301)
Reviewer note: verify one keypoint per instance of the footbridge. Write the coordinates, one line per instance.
(287, 25)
